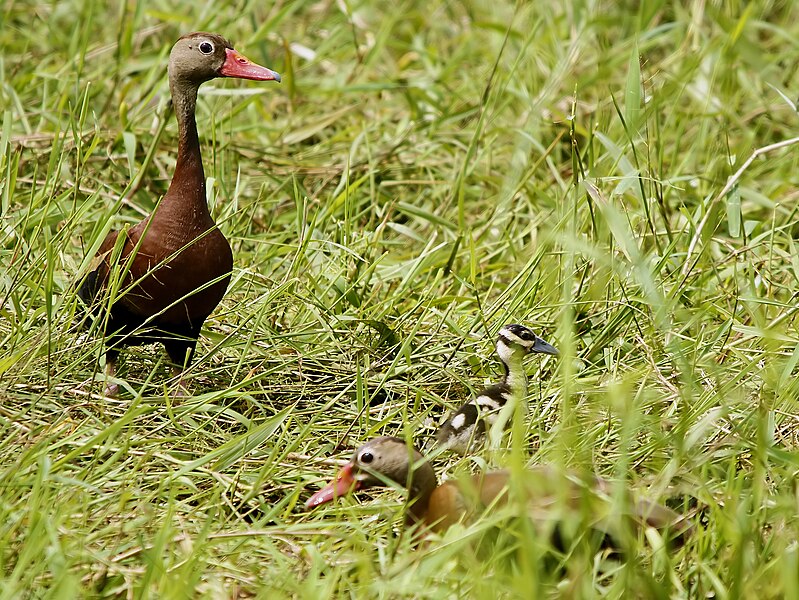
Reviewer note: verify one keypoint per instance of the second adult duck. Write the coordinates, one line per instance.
(175, 265)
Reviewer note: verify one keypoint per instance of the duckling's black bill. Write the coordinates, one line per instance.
(544, 347)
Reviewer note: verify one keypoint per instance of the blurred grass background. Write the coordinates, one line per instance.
(426, 172)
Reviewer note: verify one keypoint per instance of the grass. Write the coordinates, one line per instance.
(427, 172)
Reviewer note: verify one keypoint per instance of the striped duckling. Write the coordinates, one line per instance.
(466, 428)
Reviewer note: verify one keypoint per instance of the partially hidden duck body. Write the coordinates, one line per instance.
(551, 495)
(174, 266)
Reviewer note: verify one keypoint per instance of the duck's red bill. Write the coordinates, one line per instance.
(237, 65)
(343, 485)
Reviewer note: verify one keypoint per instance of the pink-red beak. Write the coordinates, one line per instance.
(236, 65)
(343, 485)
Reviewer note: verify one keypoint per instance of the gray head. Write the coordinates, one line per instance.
(199, 57)
(378, 460)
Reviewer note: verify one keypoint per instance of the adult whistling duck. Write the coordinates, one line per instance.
(174, 266)
(548, 492)
(466, 428)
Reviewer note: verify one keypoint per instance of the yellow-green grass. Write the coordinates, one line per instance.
(426, 172)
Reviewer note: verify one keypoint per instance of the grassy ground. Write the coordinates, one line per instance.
(427, 172)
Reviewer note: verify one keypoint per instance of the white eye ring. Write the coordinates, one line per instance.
(366, 457)
(206, 47)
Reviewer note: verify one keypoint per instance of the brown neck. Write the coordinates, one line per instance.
(422, 484)
(186, 192)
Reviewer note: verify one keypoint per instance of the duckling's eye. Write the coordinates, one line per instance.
(206, 47)
(367, 457)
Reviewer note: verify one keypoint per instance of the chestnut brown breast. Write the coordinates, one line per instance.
(180, 271)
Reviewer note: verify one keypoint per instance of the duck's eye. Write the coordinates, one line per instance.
(367, 457)
(206, 47)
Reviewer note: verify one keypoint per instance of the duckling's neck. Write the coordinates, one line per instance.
(515, 376)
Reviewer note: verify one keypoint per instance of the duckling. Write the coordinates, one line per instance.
(466, 428)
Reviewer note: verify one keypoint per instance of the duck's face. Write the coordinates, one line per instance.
(199, 57)
(378, 462)
(518, 338)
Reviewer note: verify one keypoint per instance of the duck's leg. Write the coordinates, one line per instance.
(181, 389)
(180, 352)
(111, 389)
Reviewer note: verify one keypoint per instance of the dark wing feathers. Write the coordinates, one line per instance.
(92, 285)
(467, 425)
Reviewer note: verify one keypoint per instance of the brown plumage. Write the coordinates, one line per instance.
(174, 266)
(550, 494)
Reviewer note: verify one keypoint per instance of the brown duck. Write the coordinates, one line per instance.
(549, 492)
(172, 268)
